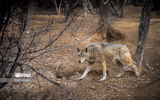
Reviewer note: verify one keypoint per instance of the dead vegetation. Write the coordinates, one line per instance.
(59, 61)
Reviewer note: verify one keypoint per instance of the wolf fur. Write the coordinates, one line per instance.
(107, 52)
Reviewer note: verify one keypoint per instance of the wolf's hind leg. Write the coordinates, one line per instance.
(88, 69)
(104, 71)
(119, 63)
(127, 60)
(122, 70)
(128, 68)
(120, 73)
(136, 70)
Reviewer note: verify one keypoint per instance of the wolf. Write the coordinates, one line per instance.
(107, 52)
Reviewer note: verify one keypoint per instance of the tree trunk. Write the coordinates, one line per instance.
(121, 7)
(104, 19)
(56, 6)
(143, 32)
(105, 29)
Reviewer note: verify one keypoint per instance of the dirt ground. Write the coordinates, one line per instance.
(62, 65)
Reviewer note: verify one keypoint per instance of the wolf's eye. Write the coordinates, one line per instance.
(86, 49)
(78, 49)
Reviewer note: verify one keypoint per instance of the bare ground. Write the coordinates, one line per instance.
(63, 62)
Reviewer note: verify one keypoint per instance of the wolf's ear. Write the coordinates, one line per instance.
(86, 49)
(78, 49)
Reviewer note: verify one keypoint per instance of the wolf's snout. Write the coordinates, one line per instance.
(79, 61)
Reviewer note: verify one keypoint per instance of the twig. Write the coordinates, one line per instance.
(60, 33)
(38, 72)
(43, 76)
(150, 68)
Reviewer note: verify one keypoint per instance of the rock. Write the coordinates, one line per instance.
(58, 64)
(59, 75)
(92, 87)
(77, 73)
(27, 32)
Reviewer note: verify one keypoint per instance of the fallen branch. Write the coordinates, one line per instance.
(38, 72)
(43, 76)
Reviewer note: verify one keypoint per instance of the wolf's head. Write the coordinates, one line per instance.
(82, 54)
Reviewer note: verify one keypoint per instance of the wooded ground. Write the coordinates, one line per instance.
(62, 64)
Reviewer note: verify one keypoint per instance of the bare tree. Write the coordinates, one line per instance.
(121, 7)
(105, 29)
(143, 32)
(117, 7)
(10, 47)
(19, 47)
(56, 6)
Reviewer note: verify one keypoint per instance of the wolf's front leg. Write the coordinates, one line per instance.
(120, 73)
(104, 71)
(86, 72)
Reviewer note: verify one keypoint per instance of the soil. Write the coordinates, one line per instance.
(62, 64)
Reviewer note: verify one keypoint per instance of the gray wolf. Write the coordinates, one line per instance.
(107, 52)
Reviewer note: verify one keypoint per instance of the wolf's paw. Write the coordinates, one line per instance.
(128, 68)
(137, 75)
(118, 75)
(80, 78)
(102, 79)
